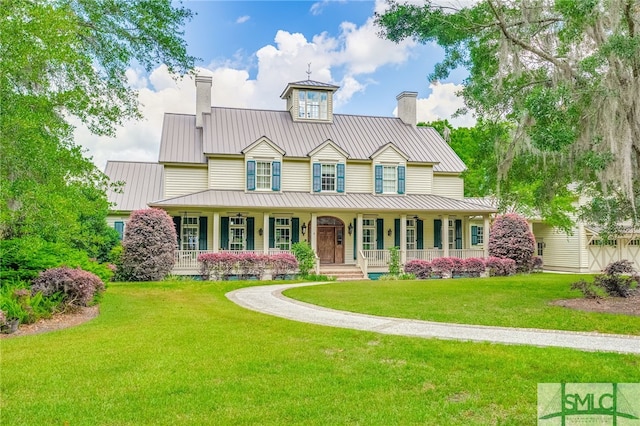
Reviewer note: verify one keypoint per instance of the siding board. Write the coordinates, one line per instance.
(184, 180)
(226, 174)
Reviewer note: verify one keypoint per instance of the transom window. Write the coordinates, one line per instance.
(328, 177)
(411, 234)
(263, 175)
(389, 179)
(312, 104)
(189, 233)
(282, 237)
(368, 234)
(237, 232)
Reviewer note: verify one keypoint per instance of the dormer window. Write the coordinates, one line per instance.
(312, 105)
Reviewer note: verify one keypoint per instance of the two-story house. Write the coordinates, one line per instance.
(260, 180)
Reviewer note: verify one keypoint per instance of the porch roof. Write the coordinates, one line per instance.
(326, 202)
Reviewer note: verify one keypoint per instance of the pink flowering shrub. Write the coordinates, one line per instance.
(418, 267)
(149, 246)
(474, 266)
(442, 266)
(217, 265)
(251, 265)
(458, 266)
(511, 238)
(536, 264)
(77, 287)
(499, 267)
(282, 264)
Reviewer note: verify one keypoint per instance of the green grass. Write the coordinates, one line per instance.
(517, 301)
(181, 353)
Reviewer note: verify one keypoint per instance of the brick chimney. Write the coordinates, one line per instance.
(203, 97)
(407, 111)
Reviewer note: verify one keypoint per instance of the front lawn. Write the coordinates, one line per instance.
(516, 301)
(181, 353)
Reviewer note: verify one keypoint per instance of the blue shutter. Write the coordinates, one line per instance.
(474, 235)
(224, 233)
(419, 234)
(401, 174)
(202, 234)
(380, 234)
(251, 229)
(458, 231)
(275, 176)
(437, 233)
(272, 232)
(340, 172)
(396, 226)
(317, 182)
(378, 179)
(251, 175)
(295, 230)
(119, 227)
(177, 223)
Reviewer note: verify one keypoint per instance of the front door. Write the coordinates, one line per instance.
(330, 240)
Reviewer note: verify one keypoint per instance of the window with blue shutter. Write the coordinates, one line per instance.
(419, 234)
(437, 233)
(224, 233)
(396, 237)
(474, 235)
(378, 176)
(275, 176)
(250, 233)
(355, 238)
(317, 181)
(251, 175)
(119, 227)
(272, 232)
(340, 177)
(401, 174)
(202, 233)
(380, 234)
(458, 231)
(295, 230)
(177, 223)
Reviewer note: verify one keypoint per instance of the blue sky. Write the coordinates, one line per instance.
(254, 48)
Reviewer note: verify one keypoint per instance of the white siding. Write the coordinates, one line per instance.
(227, 174)
(359, 177)
(389, 155)
(296, 176)
(327, 153)
(183, 180)
(419, 179)
(112, 219)
(562, 251)
(448, 186)
(263, 150)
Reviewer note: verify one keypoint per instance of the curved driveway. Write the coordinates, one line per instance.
(269, 300)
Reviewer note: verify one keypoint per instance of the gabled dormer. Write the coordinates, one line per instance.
(310, 101)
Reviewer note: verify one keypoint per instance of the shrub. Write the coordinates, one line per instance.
(499, 267)
(394, 261)
(24, 258)
(418, 267)
(458, 266)
(442, 266)
(149, 246)
(77, 287)
(474, 266)
(614, 283)
(536, 264)
(589, 290)
(251, 265)
(511, 238)
(282, 264)
(217, 265)
(305, 256)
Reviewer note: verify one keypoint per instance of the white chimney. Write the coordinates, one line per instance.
(203, 97)
(407, 110)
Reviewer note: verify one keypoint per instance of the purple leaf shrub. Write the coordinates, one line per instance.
(442, 266)
(511, 238)
(500, 267)
(418, 267)
(78, 287)
(220, 266)
(149, 246)
(283, 264)
(474, 266)
(458, 266)
(217, 265)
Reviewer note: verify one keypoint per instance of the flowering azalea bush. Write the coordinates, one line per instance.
(77, 287)
(536, 264)
(252, 265)
(149, 246)
(283, 264)
(458, 266)
(500, 267)
(217, 265)
(220, 266)
(418, 267)
(442, 266)
(474, 266)
(511, 238)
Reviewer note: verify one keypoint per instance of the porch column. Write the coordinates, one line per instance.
(358, 234)
(485, 242)
(313, 237)
(445, 236)
(265, 233)
(403, 239)
(216, 232)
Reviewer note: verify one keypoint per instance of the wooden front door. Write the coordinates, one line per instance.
(331, 241)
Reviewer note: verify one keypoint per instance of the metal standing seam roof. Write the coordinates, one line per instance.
(304, 200)
(231, 130)
(142, 182)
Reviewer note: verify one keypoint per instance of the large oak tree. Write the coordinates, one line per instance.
(564, 73)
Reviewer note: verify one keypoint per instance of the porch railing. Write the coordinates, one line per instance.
(188, 259)
(377, 258)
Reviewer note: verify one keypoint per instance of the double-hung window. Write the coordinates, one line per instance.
(282, 237)
(389, 179)
(237, 232)
(263, 175)
(189, 233)
(368, 234)
(411, 234)
(477, 235)
(328, 177)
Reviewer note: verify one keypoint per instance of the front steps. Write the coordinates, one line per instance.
(342, 272)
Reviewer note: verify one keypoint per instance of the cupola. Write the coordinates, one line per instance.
(310, 101)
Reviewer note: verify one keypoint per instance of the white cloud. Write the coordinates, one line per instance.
(243, 19)
(441, 104)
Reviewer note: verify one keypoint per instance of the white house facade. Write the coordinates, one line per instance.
(260, 180)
